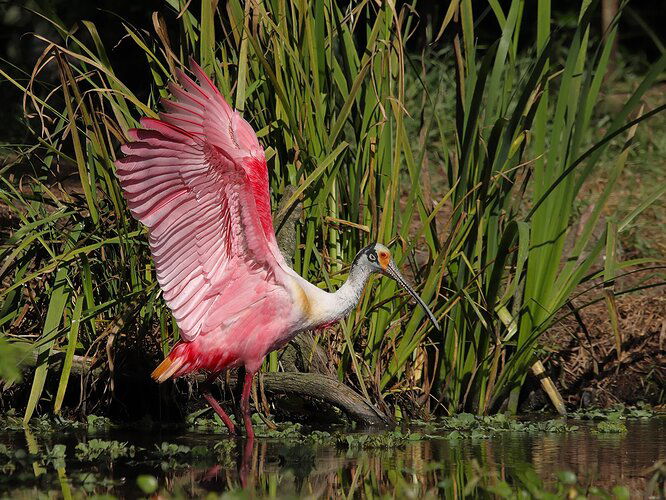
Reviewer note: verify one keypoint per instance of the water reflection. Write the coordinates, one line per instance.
(430, 468)
(435, 467)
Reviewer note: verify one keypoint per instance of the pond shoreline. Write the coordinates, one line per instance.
(429, 460)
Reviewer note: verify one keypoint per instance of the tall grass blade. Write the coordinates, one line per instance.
(57, 302)
(72, 340)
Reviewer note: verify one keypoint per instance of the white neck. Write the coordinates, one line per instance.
(348, 295)
(328, 308)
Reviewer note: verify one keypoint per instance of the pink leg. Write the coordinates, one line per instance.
(216, 406)
(245, 405)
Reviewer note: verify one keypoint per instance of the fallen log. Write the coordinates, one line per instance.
(323, 388)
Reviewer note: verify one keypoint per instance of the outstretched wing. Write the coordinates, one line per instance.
(197, 179)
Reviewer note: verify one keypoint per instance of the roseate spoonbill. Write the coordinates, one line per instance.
(197, 178)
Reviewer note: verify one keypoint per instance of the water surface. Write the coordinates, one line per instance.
(431, 467)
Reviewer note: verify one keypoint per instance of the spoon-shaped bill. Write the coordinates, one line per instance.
(392, 271)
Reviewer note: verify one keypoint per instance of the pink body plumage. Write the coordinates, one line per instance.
(197, 178)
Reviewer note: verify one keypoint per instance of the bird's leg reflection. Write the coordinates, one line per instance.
(245, 460)
(245, 465)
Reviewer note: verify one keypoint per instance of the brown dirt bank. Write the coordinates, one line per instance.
(583, 357)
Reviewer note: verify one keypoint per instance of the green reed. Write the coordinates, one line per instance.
(325, 90)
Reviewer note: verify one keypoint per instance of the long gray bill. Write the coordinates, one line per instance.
(393, 272)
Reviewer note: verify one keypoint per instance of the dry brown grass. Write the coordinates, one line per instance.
(585, 356)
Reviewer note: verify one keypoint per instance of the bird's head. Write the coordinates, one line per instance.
(377, 258)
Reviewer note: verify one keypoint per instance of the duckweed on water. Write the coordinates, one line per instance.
(616, 412)
(96, 448)
(52, 423)
(468, 425)
(320, 437)
(97, 423)
(286, 430)
(92, 483)
(393, 439)
(461, 426)
(610, 427)
(224, 446)
(172, 449)
(196, 422)
(39, 425)
(56, 455)
(12, 459)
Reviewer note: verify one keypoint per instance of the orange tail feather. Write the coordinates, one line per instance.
(166, 369)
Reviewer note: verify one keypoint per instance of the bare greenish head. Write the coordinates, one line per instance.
(377, 258)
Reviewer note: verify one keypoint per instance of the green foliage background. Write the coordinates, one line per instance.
(325, 89)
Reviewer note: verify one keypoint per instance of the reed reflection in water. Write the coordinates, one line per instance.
(434, 467)
(501, 466)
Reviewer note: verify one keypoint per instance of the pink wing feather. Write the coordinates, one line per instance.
(202, 111)
(197, 179)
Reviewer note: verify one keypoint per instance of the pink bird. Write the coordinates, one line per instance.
(197, 178)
